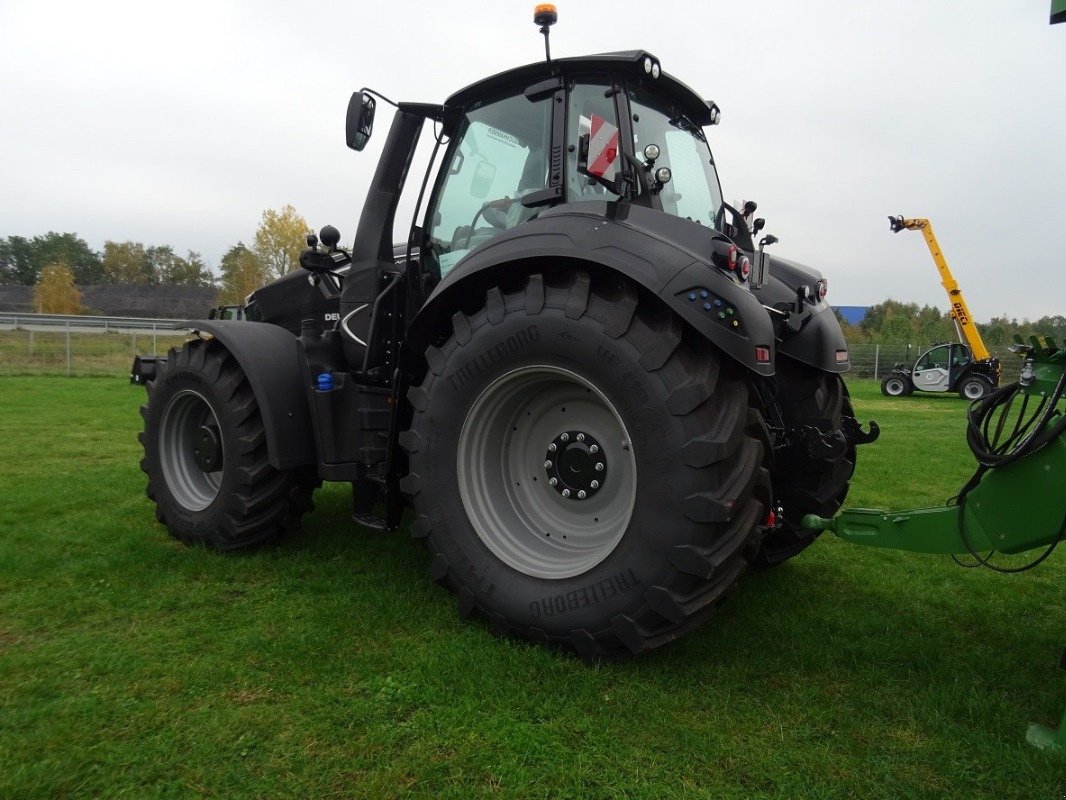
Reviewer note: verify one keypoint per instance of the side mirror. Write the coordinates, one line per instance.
(359, 123)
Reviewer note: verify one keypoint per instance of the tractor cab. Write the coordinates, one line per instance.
(603, 128)
(935, 368)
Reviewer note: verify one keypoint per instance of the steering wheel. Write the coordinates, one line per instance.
(503, 201)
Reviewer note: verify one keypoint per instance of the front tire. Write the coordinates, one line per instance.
(975, 387)
(205, 455)
(896, 386)
(649, 551)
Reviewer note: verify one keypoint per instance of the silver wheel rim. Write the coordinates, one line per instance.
(894, 386)
(185, 415)
(973, 390)
(505, 467)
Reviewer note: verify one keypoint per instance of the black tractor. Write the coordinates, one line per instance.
(600, 399)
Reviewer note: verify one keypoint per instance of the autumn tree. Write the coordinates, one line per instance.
(281, 235)
(55, 292)
(127, 262)
(242, 274)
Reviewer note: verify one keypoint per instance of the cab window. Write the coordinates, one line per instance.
(693, 191)
(588, 99)
(937, 357)
(500, 154)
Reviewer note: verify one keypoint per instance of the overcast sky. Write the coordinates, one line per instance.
(178, 123)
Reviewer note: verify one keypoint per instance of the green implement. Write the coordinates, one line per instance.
(1015, 502)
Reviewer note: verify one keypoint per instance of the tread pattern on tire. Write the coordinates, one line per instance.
(727, 439)
(260, 503)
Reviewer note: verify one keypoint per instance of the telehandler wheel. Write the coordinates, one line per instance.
(206, 459)
(586, 473)
(896, 386)
(975, 387)
(802, 483)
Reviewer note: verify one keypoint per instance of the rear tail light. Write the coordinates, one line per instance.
(724, 255)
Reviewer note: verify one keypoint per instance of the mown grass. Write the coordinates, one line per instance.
(131, 666)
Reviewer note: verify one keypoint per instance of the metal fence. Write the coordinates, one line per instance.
(79, 345)
(874, 360)
(57, 344)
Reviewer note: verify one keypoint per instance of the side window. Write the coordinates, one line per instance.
(501, 156)
(586, 100)
(937, 357)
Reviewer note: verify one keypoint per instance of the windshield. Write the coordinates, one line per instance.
(693, 191)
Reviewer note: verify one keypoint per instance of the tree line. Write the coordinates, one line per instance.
(55, 264)
(893, 322)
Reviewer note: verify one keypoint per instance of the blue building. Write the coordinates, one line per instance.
(853, 314)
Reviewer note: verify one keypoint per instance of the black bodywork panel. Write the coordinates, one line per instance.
(270, 359)
(664, 254)
(810, 333)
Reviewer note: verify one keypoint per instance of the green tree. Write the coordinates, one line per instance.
(279, 239)
(173, 270)
(22, 260)
(17, 261)
(242, 274)
(55, 292)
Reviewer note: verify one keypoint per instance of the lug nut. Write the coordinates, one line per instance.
(552, 448)
(547, 465)
(565, 437)
(599, 466)
(594, 449)
(553, 481)
(595, 484)
(581, 437)
(566, 492)
(581, 494)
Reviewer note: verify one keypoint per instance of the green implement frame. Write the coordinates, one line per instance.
(1017, 500)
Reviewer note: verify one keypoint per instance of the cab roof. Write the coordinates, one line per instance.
(629, 63)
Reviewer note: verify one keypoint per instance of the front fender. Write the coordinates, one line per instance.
(812, 334)
(269, 357)
(653, 250)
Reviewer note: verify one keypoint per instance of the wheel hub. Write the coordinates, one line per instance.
(575, 464)
(207, 448)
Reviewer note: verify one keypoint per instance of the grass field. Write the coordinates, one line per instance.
(26, 352)
(330, 667)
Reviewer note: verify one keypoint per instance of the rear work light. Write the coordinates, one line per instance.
(823, 288)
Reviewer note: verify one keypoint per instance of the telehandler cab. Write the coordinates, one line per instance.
(602, 400)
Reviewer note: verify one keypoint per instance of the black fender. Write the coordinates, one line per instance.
(810, 333)
(665, 255)
(269, 356)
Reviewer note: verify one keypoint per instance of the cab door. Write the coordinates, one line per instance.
(931, 371)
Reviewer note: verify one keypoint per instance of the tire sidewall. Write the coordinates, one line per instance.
(892, 381)
(983, 386)
(641, 557)
(192, 524)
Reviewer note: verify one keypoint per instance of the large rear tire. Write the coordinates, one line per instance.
(804, 484)
(574, 386)
(205, 455)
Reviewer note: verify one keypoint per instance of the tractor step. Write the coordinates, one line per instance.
(372, 521)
